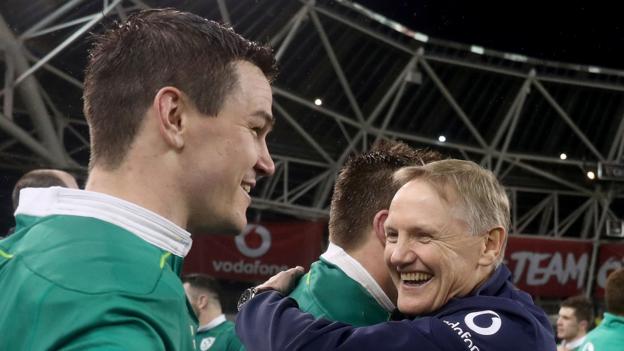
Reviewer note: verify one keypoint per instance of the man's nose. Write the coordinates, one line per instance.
(265, 165)
(402, 254)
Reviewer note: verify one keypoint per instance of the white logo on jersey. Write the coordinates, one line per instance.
(489, 330)
(265, 235)
(207, 343)
(588, 347)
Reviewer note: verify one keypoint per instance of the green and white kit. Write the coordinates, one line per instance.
(217, 335)
(85, 270)
(338, 288)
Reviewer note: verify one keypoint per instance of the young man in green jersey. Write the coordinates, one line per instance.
(215, 333)
(41, 178)
(574, 321)
(350, 283)
(178, 109)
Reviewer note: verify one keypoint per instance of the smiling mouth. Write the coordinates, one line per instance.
(415, 278)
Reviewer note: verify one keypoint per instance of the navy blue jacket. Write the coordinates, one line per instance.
(496, 317)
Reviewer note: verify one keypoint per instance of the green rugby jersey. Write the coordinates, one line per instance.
(607, 336)
(218, 335)
(88, 271)
(328, 291)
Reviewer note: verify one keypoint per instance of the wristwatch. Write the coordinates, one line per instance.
(247, 295)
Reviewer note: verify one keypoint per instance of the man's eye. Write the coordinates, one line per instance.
(391, 237)
(425, 238)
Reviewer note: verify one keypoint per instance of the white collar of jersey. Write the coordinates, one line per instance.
(354, 270)
(574, 343)
(213, 323)
(147, 225)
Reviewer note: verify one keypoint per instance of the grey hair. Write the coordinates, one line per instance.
(481, 196)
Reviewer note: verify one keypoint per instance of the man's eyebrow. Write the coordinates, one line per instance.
(417, 228)
(413, 228)
(267, 116)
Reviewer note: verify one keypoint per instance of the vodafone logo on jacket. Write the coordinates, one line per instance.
(490, 328)
(484, 323)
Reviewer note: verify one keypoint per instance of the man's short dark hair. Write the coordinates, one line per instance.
(38, 178)
(365, 187)
(583, 308)
(152, 49)
(614, 292)
(204, 283)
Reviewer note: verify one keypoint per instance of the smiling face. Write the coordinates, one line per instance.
(429, 251)
(227, 153)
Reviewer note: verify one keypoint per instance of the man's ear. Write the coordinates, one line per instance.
(169, 104)
(492, 246)
(378, 226)
(584, 324)
(202, 301)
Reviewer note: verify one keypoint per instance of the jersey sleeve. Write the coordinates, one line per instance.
(271, 322)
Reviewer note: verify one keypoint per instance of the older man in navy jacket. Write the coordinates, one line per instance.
(446, 232)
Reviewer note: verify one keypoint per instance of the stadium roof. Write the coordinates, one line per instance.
(349, 76)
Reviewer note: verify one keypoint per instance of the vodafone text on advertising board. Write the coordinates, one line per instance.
(259, 252)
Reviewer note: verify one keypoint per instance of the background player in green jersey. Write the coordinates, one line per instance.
(609, 334)
(178, 109)
(40, 178)
(215, 333)
(575, 318)
(350, 282)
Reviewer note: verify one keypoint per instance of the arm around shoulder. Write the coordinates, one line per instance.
(271, 322)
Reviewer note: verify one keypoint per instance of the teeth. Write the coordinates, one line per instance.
(246, 187)
(416, 276)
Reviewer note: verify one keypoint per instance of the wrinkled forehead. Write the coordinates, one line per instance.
(438, 200)
(421, 186)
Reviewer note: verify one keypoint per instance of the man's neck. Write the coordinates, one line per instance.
(208, 315)
(370, 256)
(147, 191)
(576, 341)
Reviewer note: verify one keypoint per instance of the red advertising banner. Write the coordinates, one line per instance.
(259, 252)
(544, 267)
(549, 267)
(610, 258)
